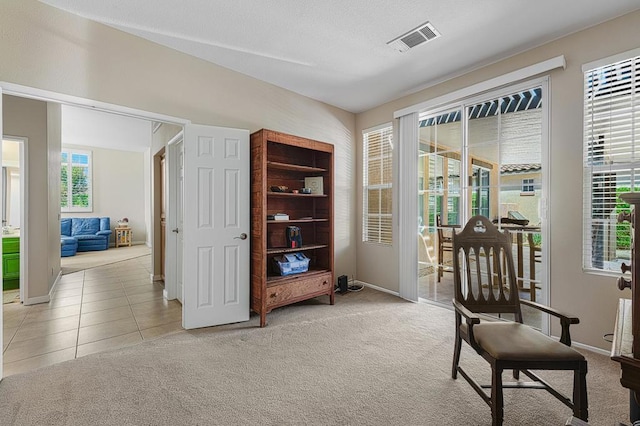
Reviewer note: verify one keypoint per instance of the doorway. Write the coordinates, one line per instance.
(14, 178)
(484, 156)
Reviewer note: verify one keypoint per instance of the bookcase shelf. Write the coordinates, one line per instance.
(279, 159)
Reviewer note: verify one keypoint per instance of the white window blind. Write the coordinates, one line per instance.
(611, 159)
(377, 186)
(75, 181)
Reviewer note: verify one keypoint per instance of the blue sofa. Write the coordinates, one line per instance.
(84, 234)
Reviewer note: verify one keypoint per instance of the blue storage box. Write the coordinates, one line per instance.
(291, 263)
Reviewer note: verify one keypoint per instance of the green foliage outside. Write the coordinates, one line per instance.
(79, 187)
(64, 191)
(623, 230)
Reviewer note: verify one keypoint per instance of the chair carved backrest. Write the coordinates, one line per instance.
(484, 273)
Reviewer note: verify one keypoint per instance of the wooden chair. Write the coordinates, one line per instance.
(445, 243)
(478, 252)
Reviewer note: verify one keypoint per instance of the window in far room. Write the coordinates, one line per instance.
(75, 181)
(377, 185)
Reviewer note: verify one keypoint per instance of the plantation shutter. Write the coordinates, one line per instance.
(611, 158)
(377, 186)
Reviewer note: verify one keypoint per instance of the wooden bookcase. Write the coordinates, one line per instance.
(278, 159)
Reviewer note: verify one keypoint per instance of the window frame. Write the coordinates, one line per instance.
(384, 236)
(69, 166)
(600, 166)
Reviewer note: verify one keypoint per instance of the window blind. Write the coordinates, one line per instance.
(611, 160)
(377, 186)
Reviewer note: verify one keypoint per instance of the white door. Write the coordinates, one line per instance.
(180, 220)
(216, 225)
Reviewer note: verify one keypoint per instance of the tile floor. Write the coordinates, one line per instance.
(90, 311)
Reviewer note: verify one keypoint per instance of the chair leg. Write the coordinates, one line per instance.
(516, 374)
(580, 405)
(440, 256)
(497, 408)
(532, 276)
(456, 354)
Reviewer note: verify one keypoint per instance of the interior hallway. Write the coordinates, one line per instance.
(92, 310)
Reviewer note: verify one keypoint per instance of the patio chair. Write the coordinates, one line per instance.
(482, 297)
(444, 245)
(535, 256)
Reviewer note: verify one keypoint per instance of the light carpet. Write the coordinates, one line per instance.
(372, 359)
(92, 259)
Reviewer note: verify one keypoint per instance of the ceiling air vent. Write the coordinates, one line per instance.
(417, 36)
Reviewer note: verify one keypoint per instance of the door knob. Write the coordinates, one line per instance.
(242, 236)
(175, 230)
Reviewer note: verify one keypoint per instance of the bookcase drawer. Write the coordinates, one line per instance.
(298, 288)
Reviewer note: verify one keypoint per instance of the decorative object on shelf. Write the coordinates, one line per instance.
(278, 216)
(315, 184)
(306, 190)
(294, 237)
(279, 188)
(124, 222)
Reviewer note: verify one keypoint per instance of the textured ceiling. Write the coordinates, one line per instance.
(335, 50)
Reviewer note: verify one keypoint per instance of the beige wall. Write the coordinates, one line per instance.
(28, 118)
(118, 189)
(593, 298)
(46, 48)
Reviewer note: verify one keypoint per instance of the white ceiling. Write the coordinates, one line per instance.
(335, 50)
(88, 127)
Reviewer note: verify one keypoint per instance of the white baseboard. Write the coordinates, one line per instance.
(375, 287)
(37, 300)
(591, 348)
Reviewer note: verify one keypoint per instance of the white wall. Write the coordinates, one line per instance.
(52, 50)
(592, 298)
(118, 188)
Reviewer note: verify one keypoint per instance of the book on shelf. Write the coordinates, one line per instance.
(278, 216)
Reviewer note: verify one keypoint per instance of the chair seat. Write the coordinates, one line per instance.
(512, 341)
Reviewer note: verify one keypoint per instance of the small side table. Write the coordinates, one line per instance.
(123, 236)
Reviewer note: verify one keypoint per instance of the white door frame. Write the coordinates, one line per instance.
(24, 201)
(1, 309)
(171, 191)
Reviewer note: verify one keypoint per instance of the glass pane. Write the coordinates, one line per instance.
(373, 201)
(387, 170)
(374, 172)
(64, 157)
(385, 201)
(64, 191)
(79, 187)
(79, 158)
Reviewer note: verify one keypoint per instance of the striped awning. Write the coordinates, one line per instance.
(522, 101)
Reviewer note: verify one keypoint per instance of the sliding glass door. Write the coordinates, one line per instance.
(482, 157)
